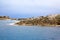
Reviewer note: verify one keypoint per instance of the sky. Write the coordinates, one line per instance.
(29, 8)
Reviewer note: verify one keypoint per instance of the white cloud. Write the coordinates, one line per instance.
(31, 6)
(32, 2)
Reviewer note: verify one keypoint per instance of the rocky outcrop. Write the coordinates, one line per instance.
(43, 20)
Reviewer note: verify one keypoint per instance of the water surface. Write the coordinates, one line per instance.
(11, 32)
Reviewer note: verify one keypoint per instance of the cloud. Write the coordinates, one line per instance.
(30, 6)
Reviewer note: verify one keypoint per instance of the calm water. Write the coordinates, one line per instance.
(11, 32)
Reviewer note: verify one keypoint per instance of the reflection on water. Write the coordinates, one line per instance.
(10, 32)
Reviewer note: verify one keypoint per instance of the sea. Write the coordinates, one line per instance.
(9, 31)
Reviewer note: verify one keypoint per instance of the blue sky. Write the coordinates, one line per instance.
(28, 8)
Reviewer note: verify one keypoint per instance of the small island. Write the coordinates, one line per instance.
(6, 18)
(49, 20)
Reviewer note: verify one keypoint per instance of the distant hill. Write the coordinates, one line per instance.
(4, 17)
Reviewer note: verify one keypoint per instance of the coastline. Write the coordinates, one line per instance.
(37, 25)
(52, 20)
(14, 23)
(5, 19)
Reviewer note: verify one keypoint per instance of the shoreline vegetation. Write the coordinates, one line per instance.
(49, 20)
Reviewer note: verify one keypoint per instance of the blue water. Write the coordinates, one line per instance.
(11, 32)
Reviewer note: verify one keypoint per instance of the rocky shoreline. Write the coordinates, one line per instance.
(50, 20)
(53, 20)
(35, 25)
